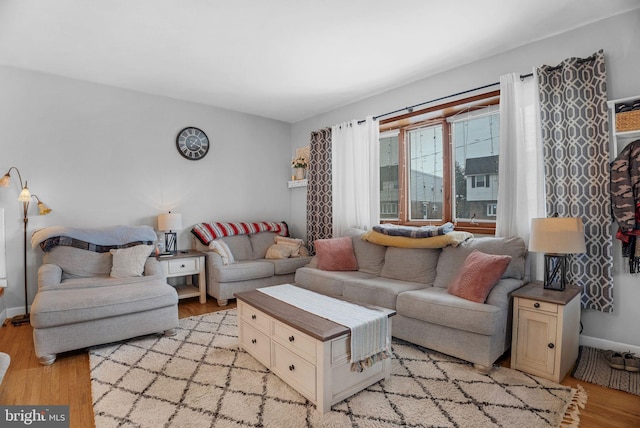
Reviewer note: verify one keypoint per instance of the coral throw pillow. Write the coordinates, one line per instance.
(479, 274)
(336, 254)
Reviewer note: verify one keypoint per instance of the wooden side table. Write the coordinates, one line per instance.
(187, 263)
(546, 329)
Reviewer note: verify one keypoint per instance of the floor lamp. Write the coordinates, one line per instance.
(24, 197)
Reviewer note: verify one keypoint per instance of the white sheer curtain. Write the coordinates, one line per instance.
(355, 153)
(521, 170)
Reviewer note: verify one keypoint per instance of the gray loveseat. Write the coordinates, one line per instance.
(414, 283)
(250, 270)
(79, 304)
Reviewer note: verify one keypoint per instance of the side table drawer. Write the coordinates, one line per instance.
(538, 305)
(182, 266)
(295, 371)
(256, 343)
(254, 317)
(296, 341)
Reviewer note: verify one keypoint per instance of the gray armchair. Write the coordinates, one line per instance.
(98, 286)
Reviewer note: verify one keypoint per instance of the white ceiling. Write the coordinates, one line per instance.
(281, 59)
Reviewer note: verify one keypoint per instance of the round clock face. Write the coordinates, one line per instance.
(192, 143)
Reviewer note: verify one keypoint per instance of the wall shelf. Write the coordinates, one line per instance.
(297, 183)
(619, 139)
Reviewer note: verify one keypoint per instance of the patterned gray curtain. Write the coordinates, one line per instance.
(319, 198)
(575, 137)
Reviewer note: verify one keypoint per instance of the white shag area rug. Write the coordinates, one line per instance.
(201, 378)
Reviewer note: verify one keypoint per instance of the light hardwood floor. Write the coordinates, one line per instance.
(67, 381)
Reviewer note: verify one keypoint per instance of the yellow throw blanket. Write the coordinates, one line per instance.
(454, 239)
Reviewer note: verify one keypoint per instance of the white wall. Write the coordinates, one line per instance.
(618, 36)
(101, 156)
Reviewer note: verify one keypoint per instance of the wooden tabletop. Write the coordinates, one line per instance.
(315, 326)
(536, 291)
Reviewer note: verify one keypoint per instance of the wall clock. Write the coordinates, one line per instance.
(192, 143)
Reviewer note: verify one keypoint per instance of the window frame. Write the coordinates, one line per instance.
(440, 112)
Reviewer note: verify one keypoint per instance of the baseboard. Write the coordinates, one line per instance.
(596, 342)
(12, 312)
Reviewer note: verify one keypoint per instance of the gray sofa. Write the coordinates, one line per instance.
(414, 283)
(79, 304)
(251, 269)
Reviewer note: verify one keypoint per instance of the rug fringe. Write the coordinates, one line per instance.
(572, 414)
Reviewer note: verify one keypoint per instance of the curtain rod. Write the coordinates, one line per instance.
(522, 76)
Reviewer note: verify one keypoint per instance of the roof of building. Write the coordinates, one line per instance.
(485, 165)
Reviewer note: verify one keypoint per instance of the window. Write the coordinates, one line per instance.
(441, 164)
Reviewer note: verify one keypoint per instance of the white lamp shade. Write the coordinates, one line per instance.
(557, 235)
(170, 221)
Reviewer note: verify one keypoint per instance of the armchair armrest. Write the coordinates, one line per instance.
(49, 275)
(153, 267)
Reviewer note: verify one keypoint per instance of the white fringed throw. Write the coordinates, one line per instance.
(369, 328)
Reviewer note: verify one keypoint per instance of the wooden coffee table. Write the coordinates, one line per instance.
(308, 352)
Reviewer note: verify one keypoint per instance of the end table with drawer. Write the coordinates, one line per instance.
(187, 263)
(546, 330)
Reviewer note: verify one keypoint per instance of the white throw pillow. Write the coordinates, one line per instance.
(128, 262)
(222, 249)
(278, 251)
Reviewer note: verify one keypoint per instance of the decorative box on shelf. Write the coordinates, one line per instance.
(624, 119)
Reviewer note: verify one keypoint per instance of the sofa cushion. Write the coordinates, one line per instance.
(370, 256)
(71, 305)
(336, 254)
(79, 263)
(243, 270)
(435, 305)
(452, 259)
(129, 262)
(410, 264)
(288, 265)
(324, 281)
(478, 275)
(240, 246)
(260, 243)
(377, 291)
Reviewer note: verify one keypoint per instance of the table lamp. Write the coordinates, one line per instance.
(556, 237)
(167, 223)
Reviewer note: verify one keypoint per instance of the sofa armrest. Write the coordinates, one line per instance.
(213, 259)
(152, 267)
(49, 275)
(500, 295)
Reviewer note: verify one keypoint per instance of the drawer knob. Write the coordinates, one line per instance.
(551, 346)
(292, 367)
(254, 341)
(291, 338)
(182, 266)
(253, 316)
(536, 305)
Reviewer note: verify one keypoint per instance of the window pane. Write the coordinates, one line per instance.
(389, 177)
(425, 177)
(476, 143)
